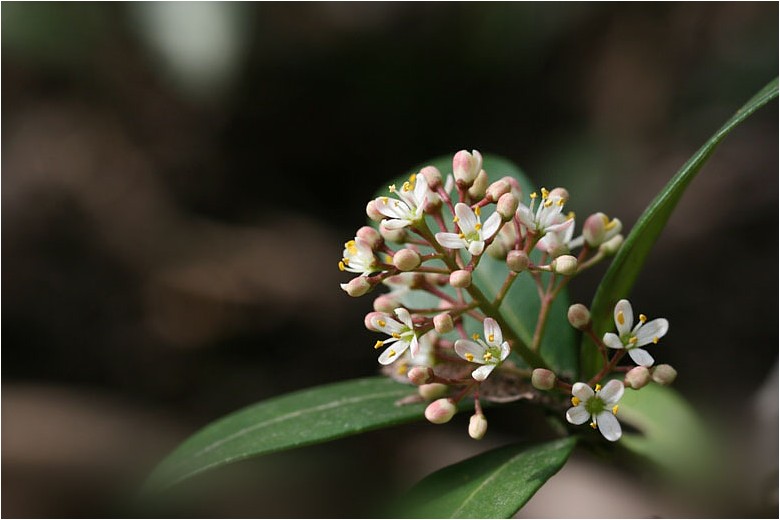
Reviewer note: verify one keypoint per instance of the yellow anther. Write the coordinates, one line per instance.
(615, 410)
(392, 353)
(491, 338)
(396, 335)
(593, 425)
(381, 323)
(605, 219)
(487, 356)
(545, 193)
(548, 203)
(402, 369)
(412, 178)
(575, 401)
(397, 204)
(621, 318)
(477, 210)
(477, 226)
(341, 266)
(455, 220)
(655, 339)
(561, 202)
(533, 195)
(642, 318)
(598, 387)
(570, 215)
(391, 188)
(469, 357)
(379, 344)
(407, 186)
(345, 260)
(461, 235)
(388, 259)
(632, 340)
(475, 336)
(384, 200)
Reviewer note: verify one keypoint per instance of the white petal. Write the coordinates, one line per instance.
(652, 330)
(420, 189)
(467, 220)
(526, 217)
(364, 250)
(464, 346)
(505, 350)
(582, 391)
(577, 414)
(390, 325)
(482, 372)
(391, 207)
(414, 346)
(628, 317)
(404, 316)
(612, 340)
(491, 225)
(562, 227)
(492, 329)
(393, 352)
(612, 392)
(450, 240)
(547, 243)
(609, 426)
(476, 247)
(641, 357)
(395, 223)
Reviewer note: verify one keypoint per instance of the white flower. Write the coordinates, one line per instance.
(489, 354)
(408, 208)
(557, 239)
(547, 220)
(472, 234)
(599, 406)
(402, 335)
(631, 339)
(358, 257)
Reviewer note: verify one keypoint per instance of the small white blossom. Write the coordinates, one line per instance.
(488, 353)
(408, 208)
(473, 233)
(600, 407)
(402, 335)
(644, 333)
(546, 216)
(557, 239)
(358, 257)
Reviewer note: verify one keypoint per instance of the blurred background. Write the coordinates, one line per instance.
(178, 180)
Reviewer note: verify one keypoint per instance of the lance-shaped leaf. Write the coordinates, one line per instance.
(625, 268)
(494, 484)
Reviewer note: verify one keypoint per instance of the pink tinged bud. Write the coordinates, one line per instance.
(565, 265)
(373, 317)
(466, 166)
(514, 185)
(543, 379)
(460, 279)
(357, 286)
(372, 212)
(497, 189)
(385, 303)
(664, 374)
(560, 192)
(440, 411)
(579, 316)
(497, 250)
(477, 190)
(507, 206)
(432, 391)
(393, 235)
(637, 377)
(432, 176)
(443, 323)
(611, 246)
(406, 259)
(477, 426)
(595, 228)
(517, 261)
(371, 236)
(432, 204)
(420, 375)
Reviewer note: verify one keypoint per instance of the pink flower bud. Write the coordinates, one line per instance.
(386, 303)
(432, 391)
(460, 279)
(443, 323)
(560, 192)
(611, 246)
(637, 377)
(579, 316)
(372, 212)
(507, 206)
(595, 228)
(495, 190)
(517, 261)
(393, 235)
(371, 236)
(357, 286)
(565, 265)
(664, 374)
(477, 426)
(372, 317)
(543, 379)
(466, 166)
(477, 190)
(432, 176)
(497, 249)
(420, 375)
(406, 259)
(440, 411)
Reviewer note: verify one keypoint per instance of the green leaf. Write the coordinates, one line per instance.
(290, 421)
(494, 484)
(625, 268)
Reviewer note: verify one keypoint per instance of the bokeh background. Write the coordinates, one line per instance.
(178, 179)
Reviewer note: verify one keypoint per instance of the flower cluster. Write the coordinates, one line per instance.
(445, 332)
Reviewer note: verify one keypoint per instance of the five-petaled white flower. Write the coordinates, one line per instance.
(547, 217)
(358, 257)
(473, 233)
(408, 208)
(630, 339)
(402, 335)
(600, 407)
(489, 354)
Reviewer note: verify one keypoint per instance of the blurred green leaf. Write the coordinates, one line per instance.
(290, 421)
(625, 268)
(494, 484)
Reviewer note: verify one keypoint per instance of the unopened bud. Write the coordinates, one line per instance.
(420, 375)
(440, 411)
(514, 185)
(372, 212)
(565, 265)
(560, 192)
(637, 377)
(432, 391)
(432, 204)
(357, 286)
(543, 379)
(466, 166)
(460, 279)
(594, 228)
(477, 190)
(477, 426)
(497, 249)
(507, 206)
(371, 236)
(579, 316)
(664, 374)
(406, 259)
(393, 235)
(386, 303)
(432, 176)
(517, 260)
(443, 323)
(611, 246)
(497, 189)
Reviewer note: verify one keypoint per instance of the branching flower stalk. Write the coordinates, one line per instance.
(447, 334)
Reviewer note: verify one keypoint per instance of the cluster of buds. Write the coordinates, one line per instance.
(444, 333)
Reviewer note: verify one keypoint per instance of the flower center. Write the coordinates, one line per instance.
(595, 405)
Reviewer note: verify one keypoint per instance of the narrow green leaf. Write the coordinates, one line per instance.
(494, 484)
(625, 268)
(290, 421)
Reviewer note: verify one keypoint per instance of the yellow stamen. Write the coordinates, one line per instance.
(642, 318)
(491, 338)
(609, 225)
(593, 425)
(396, 335)
(561, 202)
(571, 215)
(575, 401)
(392, 353)
(487, 356)
(632, 340)
(469, 357)
(461, 235)
(384, 200)
(533, 195)
(477, 226)
(615, 410)
(341, 266)
(477, 210)
(455, 220)
(475, 336)
(547, 203)
(381, 323)
(598, 387)
(397, 204)
(391, 188)
(407, 186)
(402, 369)
(388, 259)
(545, 193)
(655, 339)
(379, 344)
(621, 318)
(413, 178)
